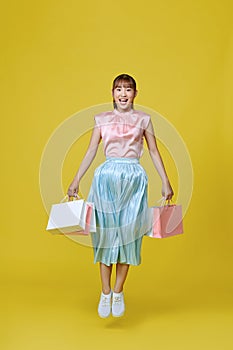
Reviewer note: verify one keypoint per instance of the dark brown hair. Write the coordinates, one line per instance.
(127, 80)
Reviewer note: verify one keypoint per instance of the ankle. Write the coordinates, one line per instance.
(106, 291)
(118, 290)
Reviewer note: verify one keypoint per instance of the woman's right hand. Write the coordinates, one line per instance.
(73, 189)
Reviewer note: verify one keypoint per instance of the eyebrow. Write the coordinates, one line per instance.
(120, 86)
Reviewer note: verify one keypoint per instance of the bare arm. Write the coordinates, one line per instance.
(167, 191)
(86, 162)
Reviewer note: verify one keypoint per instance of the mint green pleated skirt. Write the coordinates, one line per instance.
(119, 193)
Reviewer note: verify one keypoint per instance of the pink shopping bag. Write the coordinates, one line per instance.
(87, 220)
(167, 221)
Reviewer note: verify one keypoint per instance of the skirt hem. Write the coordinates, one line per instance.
(115, 262)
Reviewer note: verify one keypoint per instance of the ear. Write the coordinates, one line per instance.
(136, 92)
(112, 93)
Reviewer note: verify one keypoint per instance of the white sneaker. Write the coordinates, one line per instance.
(104, 307)
(118, 304)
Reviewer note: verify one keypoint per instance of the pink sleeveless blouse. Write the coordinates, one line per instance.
(122, 132)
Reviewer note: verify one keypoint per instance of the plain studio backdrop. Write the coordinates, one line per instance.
(59, 58)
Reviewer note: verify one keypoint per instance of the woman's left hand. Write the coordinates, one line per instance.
(167, 191)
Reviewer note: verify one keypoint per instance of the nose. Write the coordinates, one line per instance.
(123, 92)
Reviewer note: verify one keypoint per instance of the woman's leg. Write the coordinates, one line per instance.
(121, 274)
(105, 273)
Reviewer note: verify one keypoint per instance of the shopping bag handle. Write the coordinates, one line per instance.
(163, 200)
(66, 198)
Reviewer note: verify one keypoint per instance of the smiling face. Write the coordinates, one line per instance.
(123, 96)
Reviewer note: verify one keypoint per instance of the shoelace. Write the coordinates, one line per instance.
(117, 300)
(105, 301)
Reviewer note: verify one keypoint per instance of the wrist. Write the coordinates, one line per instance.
(165, 181)
(76, 180)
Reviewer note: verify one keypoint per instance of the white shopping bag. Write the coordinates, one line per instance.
(72, 217)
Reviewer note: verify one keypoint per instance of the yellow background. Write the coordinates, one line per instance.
(59, 57)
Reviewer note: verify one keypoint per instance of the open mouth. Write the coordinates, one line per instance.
(123, 100)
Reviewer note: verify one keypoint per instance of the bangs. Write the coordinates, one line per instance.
(125, 81)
